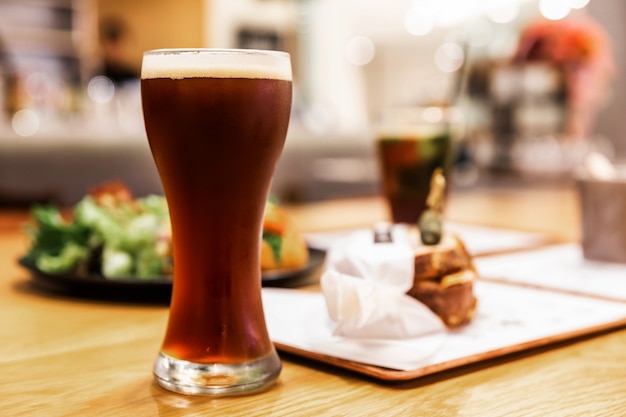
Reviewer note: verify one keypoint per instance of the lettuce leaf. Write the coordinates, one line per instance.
(275, 241)
(57, 245)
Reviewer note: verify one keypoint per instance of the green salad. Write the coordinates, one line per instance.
(105, 234)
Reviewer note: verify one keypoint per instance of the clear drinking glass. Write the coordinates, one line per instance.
(411, 143)
(216, 122)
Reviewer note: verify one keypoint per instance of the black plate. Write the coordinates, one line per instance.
(156, 289)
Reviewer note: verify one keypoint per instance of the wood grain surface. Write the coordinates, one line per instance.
(63, 356)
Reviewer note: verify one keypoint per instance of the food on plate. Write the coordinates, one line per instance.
(282, 247)
(434, 261)
(444, 278)
(444, 272)
(110, 233)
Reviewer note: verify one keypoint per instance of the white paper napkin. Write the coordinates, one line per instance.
(365, 284)
(299, 319)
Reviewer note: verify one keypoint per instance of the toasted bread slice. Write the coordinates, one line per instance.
(445, 258)
(451, 297)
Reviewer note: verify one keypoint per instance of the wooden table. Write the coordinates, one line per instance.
(70, 357)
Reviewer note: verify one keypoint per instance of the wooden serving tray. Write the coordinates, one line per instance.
(509, 318)
(386, 374)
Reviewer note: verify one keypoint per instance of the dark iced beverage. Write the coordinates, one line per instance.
(407, 159)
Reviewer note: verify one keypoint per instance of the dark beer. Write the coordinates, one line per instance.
(216, 133)
(407, 163)
(216, 142)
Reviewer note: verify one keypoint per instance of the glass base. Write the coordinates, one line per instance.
(216, 379)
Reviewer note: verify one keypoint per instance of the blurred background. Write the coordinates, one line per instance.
(532, 85)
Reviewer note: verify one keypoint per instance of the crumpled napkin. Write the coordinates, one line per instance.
(365, 284)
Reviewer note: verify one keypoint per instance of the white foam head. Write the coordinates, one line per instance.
(216, 63)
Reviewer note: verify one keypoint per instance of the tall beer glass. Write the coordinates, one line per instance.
(216, 122)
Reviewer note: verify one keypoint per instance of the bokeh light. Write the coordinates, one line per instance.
(101, 89)
(454, 12)
(25, 122)
(554, 9)
(502, 11)
(449, 57)
(38, 86)
(578, 4)
(432, 114)
(360, 50)
(418, 24)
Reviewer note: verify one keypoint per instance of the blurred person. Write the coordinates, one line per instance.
(581, 48)
(8, 81)
(115, 36)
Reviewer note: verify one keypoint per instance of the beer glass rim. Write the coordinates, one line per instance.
(216, 51)
(180, 63)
